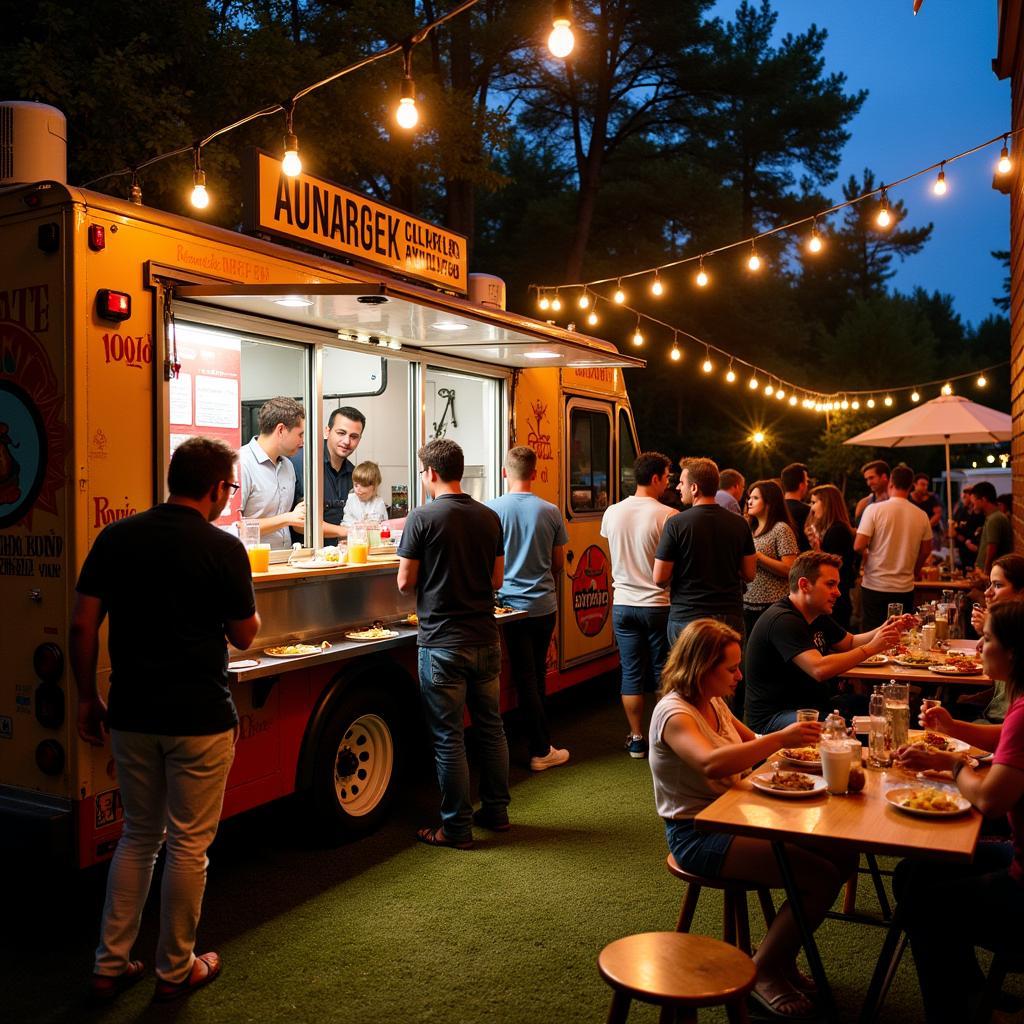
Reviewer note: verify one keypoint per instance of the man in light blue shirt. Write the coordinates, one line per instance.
(730, 490)
(535, 541)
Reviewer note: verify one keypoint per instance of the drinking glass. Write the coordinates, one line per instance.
(895, 609)
(926, 703)
(836, 760)
(807, 714)
(897, 713)
(358, 546)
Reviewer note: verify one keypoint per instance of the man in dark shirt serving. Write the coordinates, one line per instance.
(706, 552)
(171, 718)
(796, 647)
(452, 555)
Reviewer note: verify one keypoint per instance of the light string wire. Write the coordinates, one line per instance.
(400, 47)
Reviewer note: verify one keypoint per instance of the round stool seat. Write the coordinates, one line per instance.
(677, 968)
(708, 883)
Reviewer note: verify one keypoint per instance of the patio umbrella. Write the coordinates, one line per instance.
(946, 420)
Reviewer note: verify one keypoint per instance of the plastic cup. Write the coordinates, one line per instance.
(249, 532)
(807, 714)
(836, 760)
(259, 557)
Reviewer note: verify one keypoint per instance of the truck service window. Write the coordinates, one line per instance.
(627, 456)
(589, 460)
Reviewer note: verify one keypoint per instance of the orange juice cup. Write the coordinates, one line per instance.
(357, 553)
(259, 557)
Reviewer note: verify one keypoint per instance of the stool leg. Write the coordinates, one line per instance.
(736, 1011)
(689, 908)
(742, 923)
(619, 1010)
(850, 897)
(728, 917)
(767, 907)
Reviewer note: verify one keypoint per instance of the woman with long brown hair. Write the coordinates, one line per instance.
(776, 547)
(829, 529)
(699, 748)
(949, 910)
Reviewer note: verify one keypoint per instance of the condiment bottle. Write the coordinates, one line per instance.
(879, 753)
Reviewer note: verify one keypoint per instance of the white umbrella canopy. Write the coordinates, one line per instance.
(946, 420)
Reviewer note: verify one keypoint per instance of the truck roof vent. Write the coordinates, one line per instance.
(33, 143)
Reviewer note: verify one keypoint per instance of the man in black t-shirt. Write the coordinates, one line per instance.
(795, 484)
(796, 648)
(174, 586)
(453, 555)
(706, 552)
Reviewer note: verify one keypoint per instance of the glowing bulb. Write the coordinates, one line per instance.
(291, 164)
(544, 302)
(1005, 165)
(592, 318)
(753, 384)
(754, 263)
(556, 303)
(584, 301)
(844, 404)
(981, 381)
(561, 41)
(888, 400)
(990, 458)
(947, 389)
(871, 403)
(915, 397)
(407, 116)
(769, 390)
(780, 394)
(792, 399)
(939, 188)
(638, 338)
(676, 354)
(731, 376)
(883, 220)
(707, 366)
(818, 407)
(702, 278)
(657, 288)
(757, 437)
(200, 197)
(619, 297)
(815, 244)
(855, 404)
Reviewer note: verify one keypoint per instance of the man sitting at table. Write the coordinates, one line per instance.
(796, 648)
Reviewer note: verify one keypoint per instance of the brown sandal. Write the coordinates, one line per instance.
(205, 968)
(436, 837)
(104, 988)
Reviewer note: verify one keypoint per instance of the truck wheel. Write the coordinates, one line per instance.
(357, 764)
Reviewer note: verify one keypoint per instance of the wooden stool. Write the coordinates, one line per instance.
(677, 972)
(735, 921)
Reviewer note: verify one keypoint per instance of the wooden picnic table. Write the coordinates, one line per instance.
(871, 674)
(865, 822)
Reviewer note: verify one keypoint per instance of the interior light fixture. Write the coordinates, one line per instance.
(541, 355)
(448, 325)
(293, 302)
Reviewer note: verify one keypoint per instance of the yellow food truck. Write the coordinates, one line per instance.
(124, 330)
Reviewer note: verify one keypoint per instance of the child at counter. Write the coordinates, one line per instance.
(363, 502)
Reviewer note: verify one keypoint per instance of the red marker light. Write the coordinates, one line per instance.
(111, 305)
(97, 237)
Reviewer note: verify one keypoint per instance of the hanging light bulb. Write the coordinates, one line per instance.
(855, 404)
(707, 366)
(757, 437)
(543, 301)
(592, 318)
(769, 390)
(792, 399)
(702, 277)
(584, 300)
(844, 404)
(620, 296)
(638, 338)
(406, 115)
(561, 41)
(657, 288)
(291, 162)
(871, 403)
(884, 218)
(939, 188)
(753, 384)
(1005, 165)
(981, 381)
(947, 388)
(915, 396)
(780, 394)
(818, 407)
(815, 244)
(135, 191)
(676, 354)
(200, 197)
(888, 401)
(556, 302)
(754, 262)
(730, 375)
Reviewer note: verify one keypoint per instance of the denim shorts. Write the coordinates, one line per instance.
(700, 853)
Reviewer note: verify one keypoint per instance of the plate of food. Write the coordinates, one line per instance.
(377, 631)
(957, 667)
(916, 660)
(875, 659)
(319, 562)
(788, 784)
(503, 609)
(801, 757)
(936, 741)
(412, 619)
(928, 801)
(296, 650)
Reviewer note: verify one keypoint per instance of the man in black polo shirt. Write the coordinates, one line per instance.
(796, 482)
(706, 552)
(174, 587)
(452, 554)
(342, 435)
(796, 648)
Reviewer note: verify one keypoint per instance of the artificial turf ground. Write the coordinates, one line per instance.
(386, 929)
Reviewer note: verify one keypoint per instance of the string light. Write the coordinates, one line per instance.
(844, 404)
(556, 302)
(792, 399)
(200, 197)
(291, 162)
(769, 390)
(855, 404)
(990, 458)
(707, 366)
(915, 396)
(561, 41)
(981, 381)
(815, 244)
(939, 188)
(584, 300)
(947, 388)
(730, 375)
(883, 219)
(592, 318)
(702, 277)
(888, 400)
(780, 394)
(676, 354)
(620, 296)
(638, 338)
(406, 115)
(544, 302)
(657, 288)
(871, 403)
(753, 384)
(1005, 165)
(754, 262)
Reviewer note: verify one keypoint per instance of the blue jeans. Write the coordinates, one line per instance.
(452, 678)
(676, 626)
(643, 646)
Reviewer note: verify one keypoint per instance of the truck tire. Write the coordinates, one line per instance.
(357, 764)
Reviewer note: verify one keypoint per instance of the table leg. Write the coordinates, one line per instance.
(825, 997)
(876, 877)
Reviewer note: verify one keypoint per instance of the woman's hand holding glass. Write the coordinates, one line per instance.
(936, 719)
(978, 618)
(800, 734)
(915, 758)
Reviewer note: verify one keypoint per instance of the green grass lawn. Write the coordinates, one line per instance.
(387, 929)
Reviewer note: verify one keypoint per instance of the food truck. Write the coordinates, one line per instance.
(124, 330)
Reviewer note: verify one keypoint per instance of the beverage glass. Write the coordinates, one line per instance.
(926, 703)
(259, 557)
(928, 636)
(895, 609)
(897, 714)
(836, 760)
(358, 545)
(342, 552)
(942, 622)
(807, 714)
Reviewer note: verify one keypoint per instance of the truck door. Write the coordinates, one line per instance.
(586, 622)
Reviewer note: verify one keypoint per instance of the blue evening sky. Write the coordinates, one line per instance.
(931, 93)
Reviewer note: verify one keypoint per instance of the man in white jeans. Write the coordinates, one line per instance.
(171, 719)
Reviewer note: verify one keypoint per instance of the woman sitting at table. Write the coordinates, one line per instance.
(947, 909)
(698, 750)
(829, 529)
